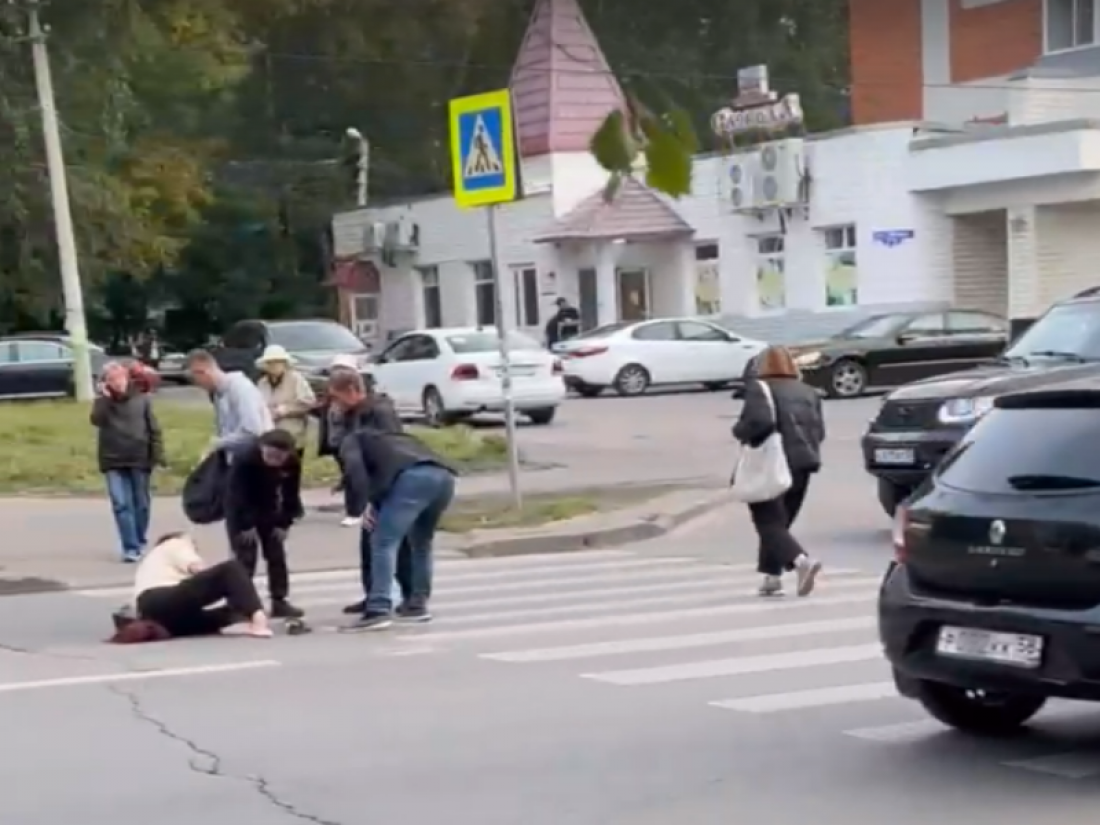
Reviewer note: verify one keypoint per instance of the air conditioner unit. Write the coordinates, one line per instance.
(782, 170)
(742, 177)
(408, 235)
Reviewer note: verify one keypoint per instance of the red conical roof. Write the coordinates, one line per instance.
(562, 85)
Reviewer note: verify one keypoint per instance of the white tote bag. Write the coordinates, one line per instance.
(762, 473)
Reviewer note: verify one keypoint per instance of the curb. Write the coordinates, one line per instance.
(580, 539)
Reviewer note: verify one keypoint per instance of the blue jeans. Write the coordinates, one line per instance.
(410, 510)
(130, 500)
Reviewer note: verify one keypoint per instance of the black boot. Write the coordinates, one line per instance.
(282, 609)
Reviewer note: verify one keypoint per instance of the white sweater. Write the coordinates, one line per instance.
(166, 565)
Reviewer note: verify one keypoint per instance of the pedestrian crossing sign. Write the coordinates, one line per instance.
(483, 150)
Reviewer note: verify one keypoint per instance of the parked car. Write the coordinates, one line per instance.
(894, 349)
(172, 367)
(632, 356)
(991, 606)
(447, 375)
(918, 423)
(312, 343)
(39, 366)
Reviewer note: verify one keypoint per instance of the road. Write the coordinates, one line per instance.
(643, 686)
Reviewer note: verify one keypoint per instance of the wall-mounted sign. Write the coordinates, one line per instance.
(892, 237)
(757, 108)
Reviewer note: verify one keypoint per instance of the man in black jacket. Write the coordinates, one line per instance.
(263, 501)
(565, 324)
(402, 488)
(129, 447)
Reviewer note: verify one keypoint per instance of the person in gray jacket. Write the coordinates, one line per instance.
(799, 420)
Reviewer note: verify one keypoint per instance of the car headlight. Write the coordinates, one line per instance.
(809, 359)
(965, 410)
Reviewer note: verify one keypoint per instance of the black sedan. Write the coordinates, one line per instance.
(991, 606)
(39, 367)
(920, 422)
(894, 349)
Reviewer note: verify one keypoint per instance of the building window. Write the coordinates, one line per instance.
(841, 272)
(485, 293)
(708, 292)
(527, 296)
(1069, 24)
(771, 278)
(433, 301)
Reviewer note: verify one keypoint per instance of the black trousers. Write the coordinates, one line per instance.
(185, 609)
(273, 550)
(778, 549)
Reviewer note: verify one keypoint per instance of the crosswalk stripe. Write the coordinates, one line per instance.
(864, 597)
(739, 666)
(686, 642)
(805, 699)
(898, 734)
(1072, 765)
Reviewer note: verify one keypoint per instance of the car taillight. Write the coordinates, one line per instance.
(465, 372)
(901, 526)
(558, 368)
(586, 352)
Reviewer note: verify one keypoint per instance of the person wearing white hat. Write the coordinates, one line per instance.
(286, 392)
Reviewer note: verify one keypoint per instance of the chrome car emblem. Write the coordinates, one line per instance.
(997, 532)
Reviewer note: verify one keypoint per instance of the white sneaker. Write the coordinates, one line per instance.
(772, 586)
(350, 521)
(807, 570)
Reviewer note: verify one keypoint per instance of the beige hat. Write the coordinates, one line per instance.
(274, 354)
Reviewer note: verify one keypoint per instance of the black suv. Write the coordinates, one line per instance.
(993, 603)
(920, 422)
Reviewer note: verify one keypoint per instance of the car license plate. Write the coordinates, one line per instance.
(899, 457)
(1014, 649)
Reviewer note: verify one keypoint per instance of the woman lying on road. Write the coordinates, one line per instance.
(175, 593)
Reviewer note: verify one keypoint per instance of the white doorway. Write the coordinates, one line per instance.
(634, 294)
(364, 315)
(525, 280)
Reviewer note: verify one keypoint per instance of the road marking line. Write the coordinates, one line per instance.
(134, 676)
(740, 666)
(659, 617)
(899, 734)
(805, 699)
(603, 606)
(1071, 765)
(696, 640)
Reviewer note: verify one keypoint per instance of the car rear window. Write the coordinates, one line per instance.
(1049, 449)
(490, 342)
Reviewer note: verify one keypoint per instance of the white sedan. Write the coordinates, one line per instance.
(632, 356)
(447, 375)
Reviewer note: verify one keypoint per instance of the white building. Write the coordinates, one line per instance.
(877, 218)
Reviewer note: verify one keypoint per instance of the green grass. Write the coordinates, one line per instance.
(49, 448)
(464, 517)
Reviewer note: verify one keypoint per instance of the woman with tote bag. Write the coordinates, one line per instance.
(781, 429)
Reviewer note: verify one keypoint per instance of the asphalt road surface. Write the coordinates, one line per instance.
(644, 686)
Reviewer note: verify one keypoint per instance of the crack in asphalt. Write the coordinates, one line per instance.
(209, 763)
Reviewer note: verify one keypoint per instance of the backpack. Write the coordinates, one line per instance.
(204, 491)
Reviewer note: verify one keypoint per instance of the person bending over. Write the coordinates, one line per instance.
(403, 489)
(175, 594)
(263, 501)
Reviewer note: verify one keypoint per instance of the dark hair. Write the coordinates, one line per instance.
(167, 537)
(776, 362)
(280, 440)
(344, 380)
(200, 356)
(140, 631)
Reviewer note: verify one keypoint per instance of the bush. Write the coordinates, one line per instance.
(49, 448)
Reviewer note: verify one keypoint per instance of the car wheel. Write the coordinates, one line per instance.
(847, 379)
(435, 413)
(976, 711)
(633, 379)
(588, 391)
(543, 415)
(891, 495)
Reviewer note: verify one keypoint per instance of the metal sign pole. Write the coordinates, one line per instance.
(505, 362)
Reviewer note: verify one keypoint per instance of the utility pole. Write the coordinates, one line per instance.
(363, 175)
(75, 323)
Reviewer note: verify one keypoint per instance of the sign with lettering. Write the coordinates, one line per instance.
(892, 237)
(757, 108)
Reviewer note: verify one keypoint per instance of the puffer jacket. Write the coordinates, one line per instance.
(799, 420)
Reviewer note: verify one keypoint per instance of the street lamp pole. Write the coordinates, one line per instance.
(75, 322)
(363, 166)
